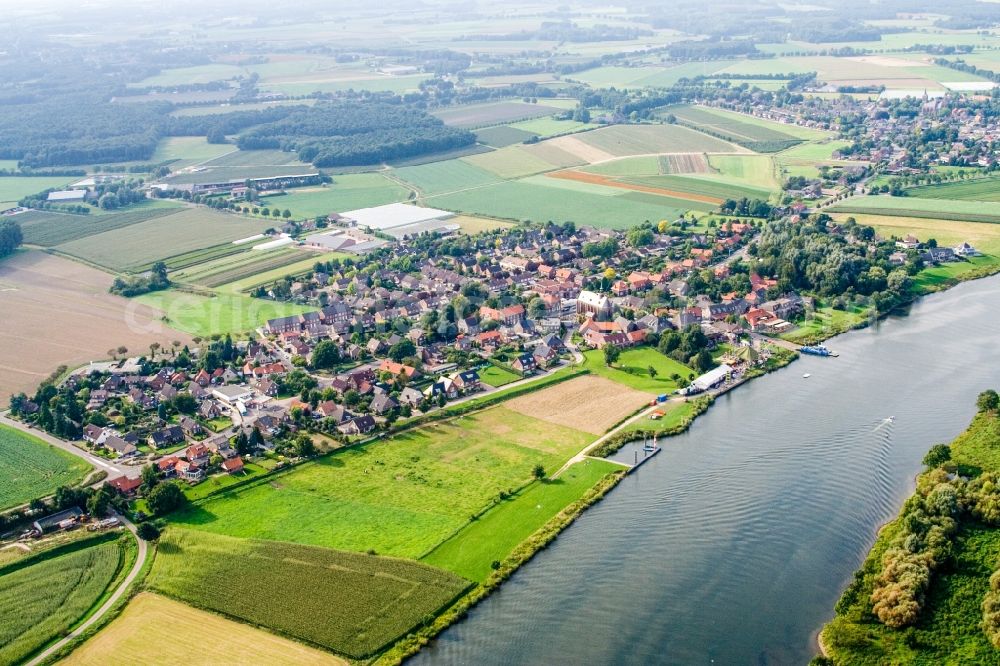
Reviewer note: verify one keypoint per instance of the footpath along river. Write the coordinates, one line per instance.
(733, 545)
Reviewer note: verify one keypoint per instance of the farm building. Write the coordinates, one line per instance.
(61, 520)
(67, 196)
(400, 219)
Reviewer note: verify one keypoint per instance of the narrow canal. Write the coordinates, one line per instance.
(733, 544)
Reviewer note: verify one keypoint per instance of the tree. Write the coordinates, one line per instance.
(326, 355)
(286, 213)
(536, 308)
(148, 532)
(402, 349)
(988, 401)
(184, 403)
(10, 237)
(703, 361)
(165, 498)
(611, 354)
(652, 372)
(304, 446)
(150, 477)
(255, 441)
(538, 472)
(937, 456)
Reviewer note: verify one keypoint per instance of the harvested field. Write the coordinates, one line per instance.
(578, 148)
(588, 403)
(553, 154)
(597, 179)
(680, 163)
(57, 311)
(148, 629)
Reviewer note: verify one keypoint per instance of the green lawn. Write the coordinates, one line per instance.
(31, 468)
(184, 151)
(546, 127)
(202, 315)
(400, 496)
(446, 176)
(632, 369)
(826, 322)
(493, 536)
(968, 211)
(496, 376)
(674, 413)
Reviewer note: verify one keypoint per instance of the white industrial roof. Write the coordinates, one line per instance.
(67, 195)
(394, 215)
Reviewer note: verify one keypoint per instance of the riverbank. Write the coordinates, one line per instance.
(943, 624)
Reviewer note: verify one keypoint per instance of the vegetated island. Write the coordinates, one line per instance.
(929, 591)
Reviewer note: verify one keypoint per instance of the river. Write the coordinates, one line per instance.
(734, 543)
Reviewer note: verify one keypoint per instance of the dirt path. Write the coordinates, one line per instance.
(140, 560)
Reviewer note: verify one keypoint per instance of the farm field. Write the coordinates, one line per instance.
(979, 189)
(228, 108)
(819, 151)
(646, 165)
(589, 403)
(502, 136)
(138, 245)
(227, 173)
(305, 263)
(147, 632)
(524, 201)
(496, 377)
(195, 74)
(511, 162)
(57, 312)
(494, 535)
(351, 603)
(14, 188)
(32, 468)
(204, 315)
(625, 140)
(447, 176)
(473, 225)
(546, 127)
(680, 196)
(747, 131)
(639, 77)
(231, 268)
(255, 158)
(401, 496)
(182, 151)
(701, 187)
(964, 211)
(348, 192)
(492, 113)
(41, 601)
(375, 83)
(48, 229)
(632, 369)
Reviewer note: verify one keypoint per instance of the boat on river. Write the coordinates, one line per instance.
(817, 350)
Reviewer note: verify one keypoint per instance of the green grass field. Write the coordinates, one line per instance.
(524, 201)
(182, 151)
(546, 127)
(223, 313)
(647, 165)
(49, 229)
(303, 265)
(255, 158)
(510, 162)
(351, 603)
(447, 176)
(195, 74)
(233, 267)
(378, 83)
(494, 535)
(749, 170)
(137, 245)
(632, 369)
(497, 377)
(722, 189)
(825, 322)
(14, 188)
(492, 113)
(348, 192)
(40, 602)
(754, 133)
(640, 77)
(964, 211)
(31, 468)
(674, 414)
(949, 629)
(400, 496)
(625, 140)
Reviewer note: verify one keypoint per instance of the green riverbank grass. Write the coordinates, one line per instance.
(492, 537)
(632, 369)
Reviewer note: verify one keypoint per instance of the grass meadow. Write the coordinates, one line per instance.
(31, 468)
(205, 315)
(632, 369)
(471, 551)
(400, 496)
(942, 209)
(496, 376)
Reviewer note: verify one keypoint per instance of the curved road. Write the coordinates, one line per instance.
(112, 600)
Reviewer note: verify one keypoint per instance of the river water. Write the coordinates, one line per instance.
(733, 544)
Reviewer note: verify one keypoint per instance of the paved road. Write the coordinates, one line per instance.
(113, 469)
(112, 600)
